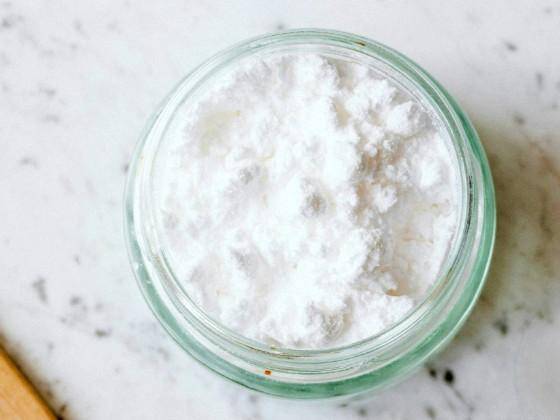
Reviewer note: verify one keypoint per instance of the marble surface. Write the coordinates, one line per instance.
(77, 82)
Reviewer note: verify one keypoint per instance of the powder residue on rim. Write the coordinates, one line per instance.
(306, 201)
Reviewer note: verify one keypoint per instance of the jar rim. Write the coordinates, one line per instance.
(168, 300)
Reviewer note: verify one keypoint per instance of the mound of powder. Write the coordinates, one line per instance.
(306, 201)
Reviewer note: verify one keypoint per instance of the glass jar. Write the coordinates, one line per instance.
(351, 370)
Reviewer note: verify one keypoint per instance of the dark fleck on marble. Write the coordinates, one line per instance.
(49, 92)
(102, 333)
(343, 405)
(125, 168)
(77, 259)
(10, 21)
(51, 118)
(547, 10)
(545, 315)
(29, 161)
(449, 377)
(362, 412)
(39, 286)
(280, 27)
(430, 412)
(502, 326)
(78, 27)
(519, 306)
(463, 401)
(253, 398)
(510, 46)
(164, 353)
(518, 119)
(75, 300)
(539, 78)
(432, 372)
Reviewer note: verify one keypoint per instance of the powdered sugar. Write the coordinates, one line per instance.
(306, 201)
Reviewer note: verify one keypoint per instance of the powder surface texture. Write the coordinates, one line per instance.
(306, 201)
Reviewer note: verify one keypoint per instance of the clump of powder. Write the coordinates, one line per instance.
(306, 201)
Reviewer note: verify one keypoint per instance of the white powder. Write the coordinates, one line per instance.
(307, 202)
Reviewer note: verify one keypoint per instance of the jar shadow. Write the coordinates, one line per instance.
(519, 290)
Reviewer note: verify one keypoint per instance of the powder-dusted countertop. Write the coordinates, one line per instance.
(77, 82)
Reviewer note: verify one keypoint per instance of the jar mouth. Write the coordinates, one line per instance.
(476, 205)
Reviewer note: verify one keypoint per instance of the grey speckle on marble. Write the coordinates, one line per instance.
(78, 81)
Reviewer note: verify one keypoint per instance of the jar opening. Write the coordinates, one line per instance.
(369, 354)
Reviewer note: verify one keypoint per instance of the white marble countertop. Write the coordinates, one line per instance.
(77, 82)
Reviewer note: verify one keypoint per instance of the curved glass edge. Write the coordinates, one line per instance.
(370, 381)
